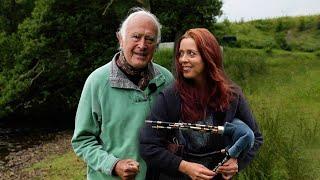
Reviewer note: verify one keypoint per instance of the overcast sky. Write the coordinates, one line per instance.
(235, 10)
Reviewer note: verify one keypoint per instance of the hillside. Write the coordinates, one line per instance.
(288, 33)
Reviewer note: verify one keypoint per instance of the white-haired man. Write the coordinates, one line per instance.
(116, 100)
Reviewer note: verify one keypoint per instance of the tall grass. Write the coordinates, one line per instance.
(164, 57)
(283, 91)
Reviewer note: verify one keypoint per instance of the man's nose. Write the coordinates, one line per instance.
(142, 43)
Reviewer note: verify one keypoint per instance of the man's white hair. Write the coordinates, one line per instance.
(139, 11)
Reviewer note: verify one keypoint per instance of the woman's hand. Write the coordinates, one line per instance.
(229, 169)
(196, 171)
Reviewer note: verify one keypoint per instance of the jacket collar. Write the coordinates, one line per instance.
(119, 80)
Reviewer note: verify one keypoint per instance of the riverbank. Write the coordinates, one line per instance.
(17, 162)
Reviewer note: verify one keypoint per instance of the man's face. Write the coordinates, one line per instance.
(140, 41)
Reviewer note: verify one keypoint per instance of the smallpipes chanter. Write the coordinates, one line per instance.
(241, 134)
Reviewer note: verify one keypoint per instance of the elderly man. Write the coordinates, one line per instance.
(116, 99)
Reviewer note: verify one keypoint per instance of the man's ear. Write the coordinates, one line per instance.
(119, 37)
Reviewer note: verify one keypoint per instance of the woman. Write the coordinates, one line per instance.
(201, 94)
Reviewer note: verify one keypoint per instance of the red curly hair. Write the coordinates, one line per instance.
(219, 92)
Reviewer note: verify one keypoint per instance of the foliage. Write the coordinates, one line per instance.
(178, 16)
(9, 46)
(318, 22)
(263, 25)
(302, 24)
(285, 23)
(221, 29)
(13, 12)
(280, 38)
(306, 23)
(45, 63)
(164, 57)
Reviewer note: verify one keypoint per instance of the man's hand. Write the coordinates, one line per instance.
(196, 171)
(127, 169)
(229, 169)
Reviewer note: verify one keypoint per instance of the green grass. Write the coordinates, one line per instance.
(67, 166)
(285, 99)
(283, 90)
(165, 58)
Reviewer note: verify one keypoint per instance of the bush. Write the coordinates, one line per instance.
(12, 13)
(221, 29)
(306, 23)
(282, 41)
(164, 57)
(263, 25)
(318, 22)
(283, 24)
(302, 24)
(268, 50)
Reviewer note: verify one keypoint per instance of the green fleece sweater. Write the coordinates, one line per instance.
(110, 113)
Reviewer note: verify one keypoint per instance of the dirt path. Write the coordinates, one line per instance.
(16, 161)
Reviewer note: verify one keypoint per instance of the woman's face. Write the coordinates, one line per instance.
(190, 60)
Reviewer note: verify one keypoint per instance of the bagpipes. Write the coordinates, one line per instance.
(241, 135)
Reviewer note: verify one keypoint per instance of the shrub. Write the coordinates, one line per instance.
(268, 50)
(263, 25)
(284, 23)
(306, 23)
(164, 57)
(302, 24)
(282, 41)
(318, 22)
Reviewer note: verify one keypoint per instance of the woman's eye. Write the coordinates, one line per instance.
(191, 54)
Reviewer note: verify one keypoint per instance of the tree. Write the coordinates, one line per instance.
(57, 48)
(13, 12)
(178, 16)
